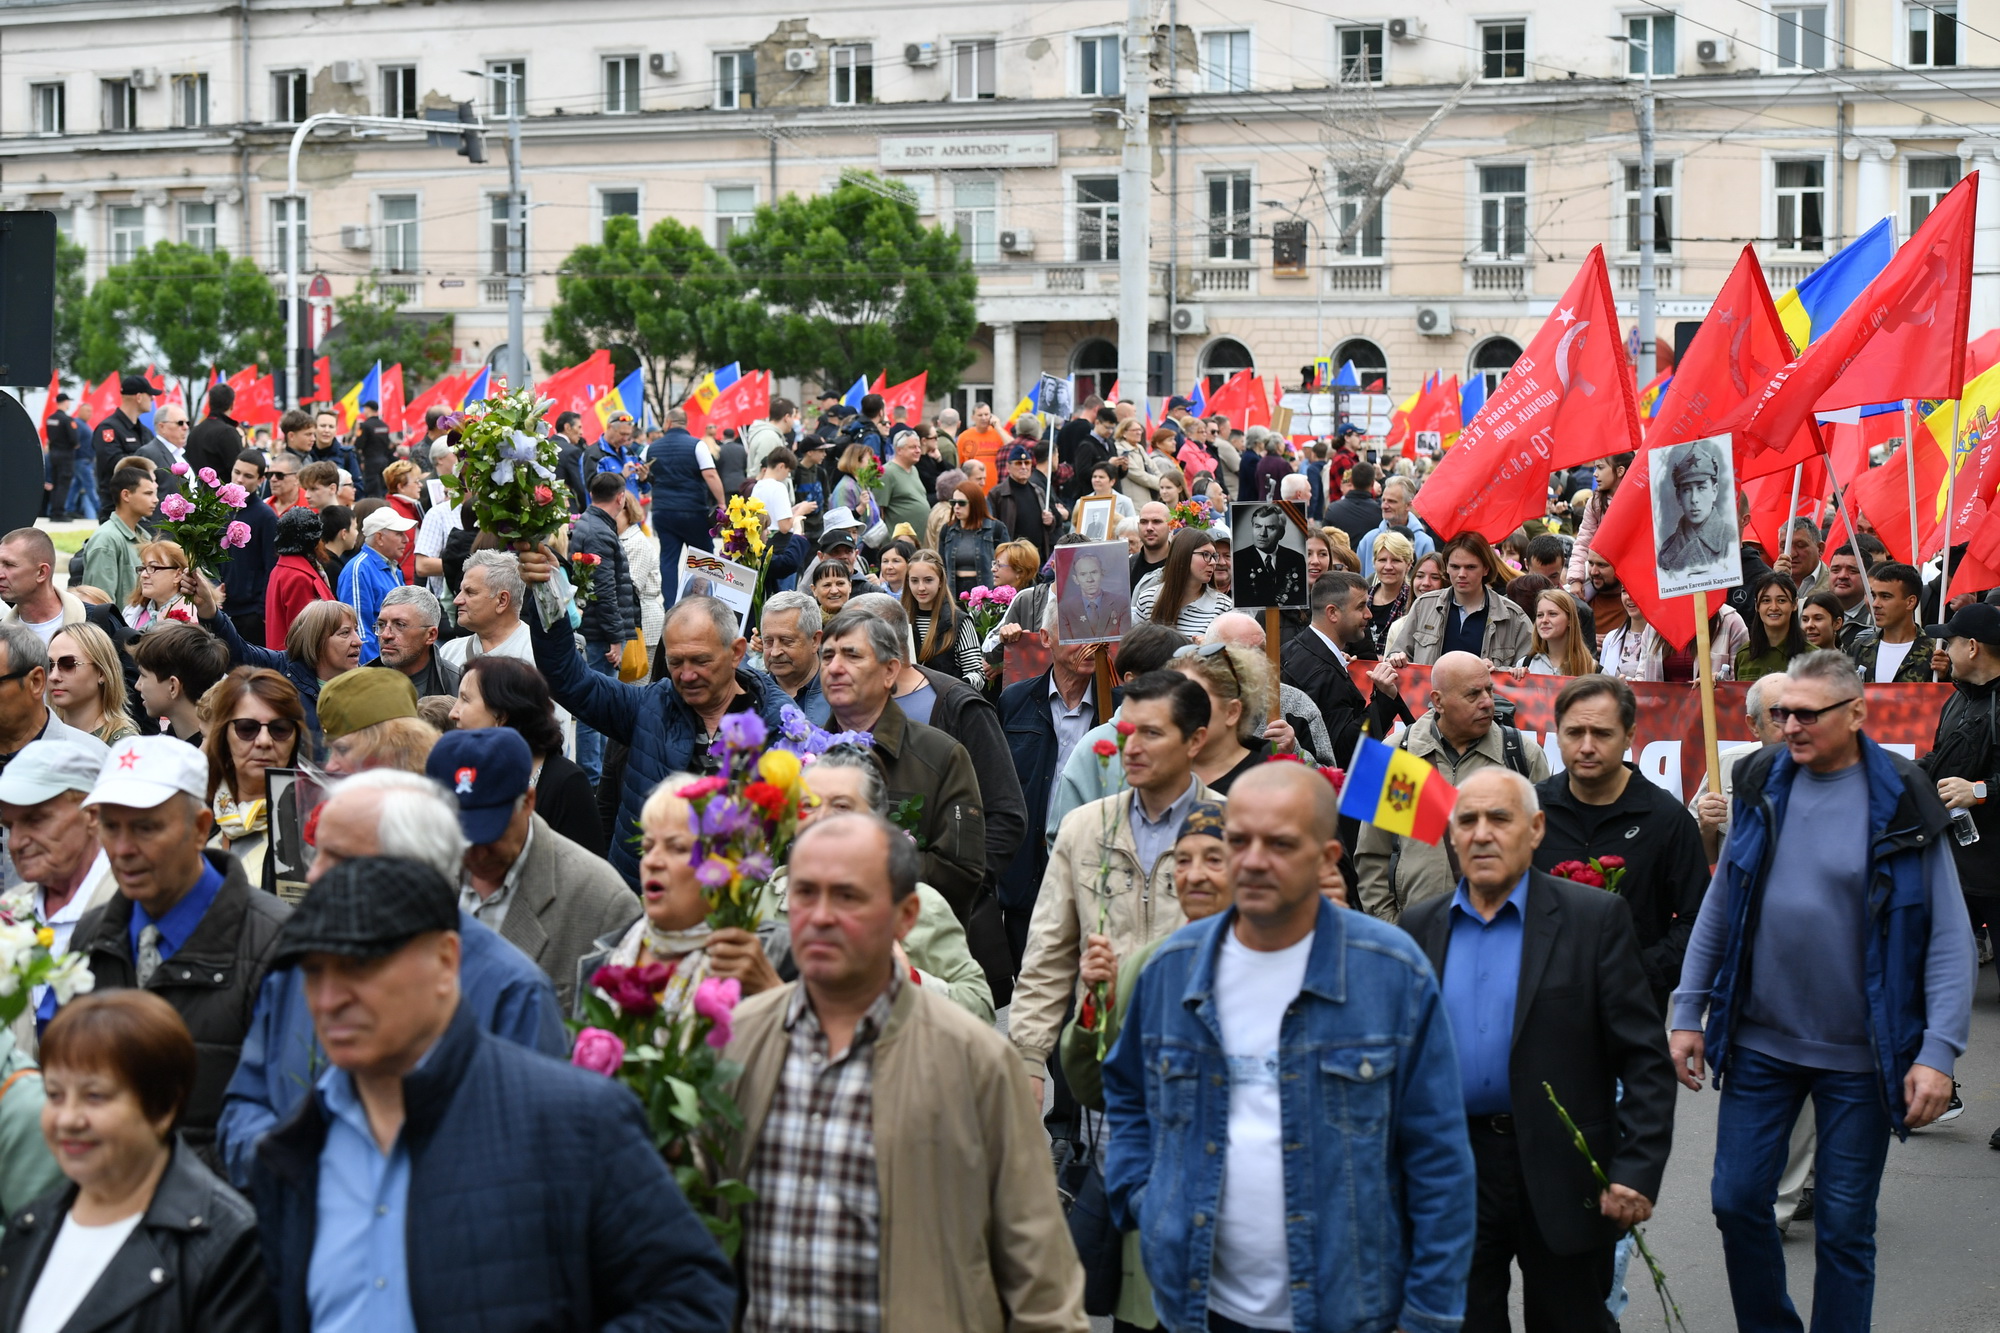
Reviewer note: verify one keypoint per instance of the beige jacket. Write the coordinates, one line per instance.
(1510, 635)
(1141, 908)
(1423, 871)
(973, 1236)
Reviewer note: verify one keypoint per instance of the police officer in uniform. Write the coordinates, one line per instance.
(120, 434)
(62, 442)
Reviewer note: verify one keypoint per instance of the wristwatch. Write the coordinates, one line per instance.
(1979, 793)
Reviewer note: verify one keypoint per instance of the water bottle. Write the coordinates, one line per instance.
(1963, 828)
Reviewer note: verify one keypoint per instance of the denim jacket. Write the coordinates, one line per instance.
(1380, 1192)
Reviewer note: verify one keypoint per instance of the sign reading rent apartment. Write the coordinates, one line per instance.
(970, 150)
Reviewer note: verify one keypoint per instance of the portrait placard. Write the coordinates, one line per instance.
(1268, 560)
(1697, 544)
(1093, 592)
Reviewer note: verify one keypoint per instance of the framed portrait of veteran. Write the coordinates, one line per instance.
(1097, 516)
(1093, 592)
(1697, 543)
(1268, 564)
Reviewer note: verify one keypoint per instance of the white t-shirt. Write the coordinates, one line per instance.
(46, 628)
(704, 461)
(1889, 660)
(439, 524)
(776, 497)
(77, 1260)
(1251, 1282)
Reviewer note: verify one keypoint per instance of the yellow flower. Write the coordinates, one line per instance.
(45, 937)
(780, 768)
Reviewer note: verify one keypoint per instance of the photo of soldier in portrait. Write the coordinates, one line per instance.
(1694, 517)
(1269, 566)
(1093, 593)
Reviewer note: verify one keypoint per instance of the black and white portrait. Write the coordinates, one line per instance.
(1269, 565)
(1093, 592)
(1697, 541)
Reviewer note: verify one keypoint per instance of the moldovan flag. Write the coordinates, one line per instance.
(627, 396)
(368, 389)
(1396, 792)
(1882, 495)
(1904, 336)
(1568, 400)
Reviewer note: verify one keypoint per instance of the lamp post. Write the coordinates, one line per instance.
(516, 370)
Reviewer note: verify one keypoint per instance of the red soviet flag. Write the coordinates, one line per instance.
(1903, 337)
(1568, 400)
(907, 397)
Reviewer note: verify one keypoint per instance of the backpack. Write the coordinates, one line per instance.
(1513, 753)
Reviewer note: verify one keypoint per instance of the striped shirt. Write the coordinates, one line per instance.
(1195, 617)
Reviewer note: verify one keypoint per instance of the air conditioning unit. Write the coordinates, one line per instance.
(1017, 241)
(804, 60)
(664, 63)
(355, 236)
(1404, 30)
(920, 54)
(145, 78)
(1715, 50)
(349, 71)
(1191, 319)
(1434, 321)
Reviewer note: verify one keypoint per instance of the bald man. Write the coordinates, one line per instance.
(1542, 982)
(1458, 737)
(1350, 992)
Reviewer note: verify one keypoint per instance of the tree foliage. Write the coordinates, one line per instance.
(182, 306)
(369, 327)
(71, 292)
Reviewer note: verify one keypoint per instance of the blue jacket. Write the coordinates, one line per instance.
(507, 993)
(366, 580)
(1905, 820)
(659, 729)
(1031, 739)
(537, 1202)
(1380, 1196)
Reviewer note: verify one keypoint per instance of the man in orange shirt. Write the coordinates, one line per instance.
(983, 440)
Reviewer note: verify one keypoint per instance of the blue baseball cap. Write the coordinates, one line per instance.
(487, 770)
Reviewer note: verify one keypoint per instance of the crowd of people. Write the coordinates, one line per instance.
(1261, 1065)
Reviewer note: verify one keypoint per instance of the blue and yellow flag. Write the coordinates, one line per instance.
(475, 392)
(1396, 792)
(1811, 308)
(627, 396)
(712, 385)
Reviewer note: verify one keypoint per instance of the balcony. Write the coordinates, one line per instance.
(1496, 277)
(1068, 279)
(1344, 278)
(403, 290)
(1664, 276)
(1211, 281)
(1780, 276)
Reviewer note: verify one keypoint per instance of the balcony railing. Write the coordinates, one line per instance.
(1664, 276)
(405, 290)
(1207, 280)
(1498, 278)
(1354, 278)
(1780, 277)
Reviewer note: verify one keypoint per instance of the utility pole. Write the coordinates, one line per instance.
(1135, 198)
(517, 243)
(1648, 287)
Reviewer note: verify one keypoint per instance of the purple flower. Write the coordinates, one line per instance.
(236, 534)
(756, 867)
(179, 469)
(715, 999)
(207, 476)
(233, 495)
(175, 508)
(723, 819)
(795, 724)
(598, 1051)
(743, 731)
(713, 874)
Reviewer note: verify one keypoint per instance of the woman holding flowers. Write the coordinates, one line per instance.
(945, 640)
(87, 682)
(159, 592)
(969, 541)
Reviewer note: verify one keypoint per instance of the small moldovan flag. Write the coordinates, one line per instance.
(1396, 792)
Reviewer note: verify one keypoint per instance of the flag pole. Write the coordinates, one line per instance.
(1791, 514)
(1840, 503)
(1705, 673)
(1272, 629)
(1909, 471)
(1950, 500)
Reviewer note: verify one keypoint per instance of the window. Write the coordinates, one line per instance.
(128, 232)
(399, 92)
(1094, 366)
(1096, 219)
(399, 233)
(621, 85)
(1656, 31)
(853, 74)
(1492, 359)
(190, 101)
(121, 105)
(1360, 55)
(1801, 205)
(1801, 37)
(1229, 216)
(1371, 365)
(1931, 179)
(735, 80)
(198, 226)
(975, 219)
(284, 231)
(1100, 66)
(504, 83)
(496, 233)
(1504, 50)
(288, 96)
(735, 210)
(1352, 187)
(618, 204)
(1228, 62)
(974, 71)
(1503, 212)
(51, 104)
(1663, 207)
(1933, 32)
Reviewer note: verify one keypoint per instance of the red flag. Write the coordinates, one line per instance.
(907, 397)
(1882, 498)
(1568, 400)
(257, 401)
(1982, 354)
(1848, 443)
(1770, 495)
(1232, 399)
(1260, 404)
(741, 404)
(49, 405)
(881, 383)
(1903, 337)
(323, 380)
(392, 398)
(100, 402)
(154, 378)
(1438, 410)
(445, 393)
(577, 388)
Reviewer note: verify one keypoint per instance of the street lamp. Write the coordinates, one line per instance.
(1647, 286)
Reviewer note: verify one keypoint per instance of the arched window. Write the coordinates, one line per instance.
(1094, 365)
(1369, 363)
(1221, 359)
(1492, 359)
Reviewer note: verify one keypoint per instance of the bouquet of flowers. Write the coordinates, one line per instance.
(1599, 872)
(739, 531)
(28, 959)
(507, 468)
(204, 520)
(868, 476)
(1097, 1003)
(1190, 514)
(583, 575)
(985, 607)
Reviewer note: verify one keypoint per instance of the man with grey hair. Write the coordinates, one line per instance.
(789, 633)
(440, 521)
(1397, 492)
(1711, 809)
(24, 717)
(382, 812)
(490, 596)
(406, 631)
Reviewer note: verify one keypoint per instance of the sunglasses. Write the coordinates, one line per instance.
(960, 504)
(67, 664)
(1806, 717)
(1211, 650)
(246, 729)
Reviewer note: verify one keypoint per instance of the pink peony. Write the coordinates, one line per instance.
(715, 999)
(598, 1051)
(179, 469)
(1004, 594)
(207, 476)
(236, 534)
(175, 508)
(233, 495)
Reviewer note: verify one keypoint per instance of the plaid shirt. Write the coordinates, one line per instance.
(812, 1239)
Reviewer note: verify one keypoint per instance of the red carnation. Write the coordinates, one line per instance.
(1105, 748)
(765, 796)
(1611, 862)
(1125, 728)
(1585, 875)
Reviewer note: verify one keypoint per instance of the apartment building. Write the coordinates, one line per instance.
(1790, 127)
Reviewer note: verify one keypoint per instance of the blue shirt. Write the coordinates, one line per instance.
(1482, 975)
(181, 918)
(363, 584)
(358, 1278)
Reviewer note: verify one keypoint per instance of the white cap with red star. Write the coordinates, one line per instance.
(143, 771)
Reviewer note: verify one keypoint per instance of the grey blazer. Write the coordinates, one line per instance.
(567, 897)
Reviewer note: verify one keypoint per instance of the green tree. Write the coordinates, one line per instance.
(851, 283)
(71, 293)
(666, 299)
(186, 307)
(368, 327)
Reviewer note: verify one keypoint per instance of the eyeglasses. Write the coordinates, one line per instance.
(161, 569)
(67, 664)
(1211, 650)
(1806, 717)
(246, 729)
(1205, 553)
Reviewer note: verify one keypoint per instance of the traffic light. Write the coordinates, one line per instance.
(471, 144)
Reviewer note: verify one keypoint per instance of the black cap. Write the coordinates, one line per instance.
(366, 908)
(131, 384)
(1980, 621)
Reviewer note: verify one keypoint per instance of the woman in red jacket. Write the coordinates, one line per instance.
(296, 581)
(405, 484)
